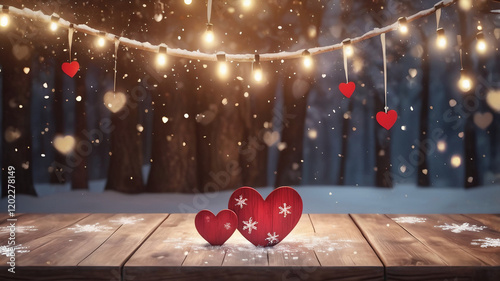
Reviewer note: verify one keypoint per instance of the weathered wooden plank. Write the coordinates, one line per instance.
(132, 232)
(33, 226)
(437, 240)
(61, 251)
(491, 221)
(404, 257)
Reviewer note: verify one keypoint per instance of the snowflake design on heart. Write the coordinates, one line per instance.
(8, 251)
(487, 242)
(250, 225)
(458, 228)
(227, 225)
(411, 220)
(285, 210)
(89, 228)
(272, 238)
(240, 201)
(127, 220)
(19, 229)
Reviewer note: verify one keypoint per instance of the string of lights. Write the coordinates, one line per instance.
(163, 50)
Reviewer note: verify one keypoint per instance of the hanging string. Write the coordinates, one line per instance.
(459, 41)
(209, 10)
(117, 43)
(71, 30)
(438, 17)
(345, 65)
(382, 39)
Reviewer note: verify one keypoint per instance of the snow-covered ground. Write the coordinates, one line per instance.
(403, 199)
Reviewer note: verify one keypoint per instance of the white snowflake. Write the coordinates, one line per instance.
(456, 228)
(250, 225)
(90, 228)
(411, 220)
(227, 225)
(285, 210)
(487, 242)
(240, 201)
(7, 250)
(19, 229)
(272, 238)
(126, 220)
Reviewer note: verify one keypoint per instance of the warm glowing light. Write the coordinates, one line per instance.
(188, 2)
(441, 145)
(247, 3)
(403, 26)
(209, 36)
(465, 83)
(161, 59)
(456, 161)
(481, 43)
(308, 62)
(4, 20)
(465, 4)
(222, 69)
(441, 38)
(257, 75)
(101, 41)
(53, 26)
(348, 50)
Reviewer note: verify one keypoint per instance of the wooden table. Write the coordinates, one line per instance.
(321, 247)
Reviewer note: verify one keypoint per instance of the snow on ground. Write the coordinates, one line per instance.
(403, 199)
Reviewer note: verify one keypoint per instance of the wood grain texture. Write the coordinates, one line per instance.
(492, 221)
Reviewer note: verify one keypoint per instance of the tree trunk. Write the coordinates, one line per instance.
(80, 172)
(16, 125)
(423, 169)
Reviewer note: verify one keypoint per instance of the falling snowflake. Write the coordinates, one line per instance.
(19, 229)
(240, 201)
(90, 228)
(227, 225)
(126, 220)
(8, 250)
(250, 225)
(285, 210)
(411, 220)
(456, 228)
(272, 238)
(487, 242)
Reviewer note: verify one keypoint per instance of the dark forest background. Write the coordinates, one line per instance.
(192, 131)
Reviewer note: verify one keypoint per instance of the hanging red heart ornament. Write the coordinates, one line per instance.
(216, 229)
(388, 119)
(266, 222)
(347, 89)
(70, 68)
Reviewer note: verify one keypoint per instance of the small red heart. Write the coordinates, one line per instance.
(388, 119)
(347, 89)
(266, 222)
(216, 229)
(70, 68)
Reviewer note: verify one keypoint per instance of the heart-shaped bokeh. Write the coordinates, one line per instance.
(115, 101)
(70, 68)
(216, 229)
(388, 119)
(483, 120)
(266, 222)
(64, 144)
(347, 88)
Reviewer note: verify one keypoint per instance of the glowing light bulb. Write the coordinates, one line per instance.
(257, 75)
(441, 38)
(465, 83)
(53, 26)
(465, 4)
(161, 59)
(481, 43)
(403, 26)
(188, 2)
(347, 47)
(101, 42)
(209, 34)
(222, 69)
(307, 59)
(4, 20)
(247, 3)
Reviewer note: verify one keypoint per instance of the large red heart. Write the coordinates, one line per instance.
(266, 222)
(388, 119)
(70, 68)
(216, 229)
(347, 89)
